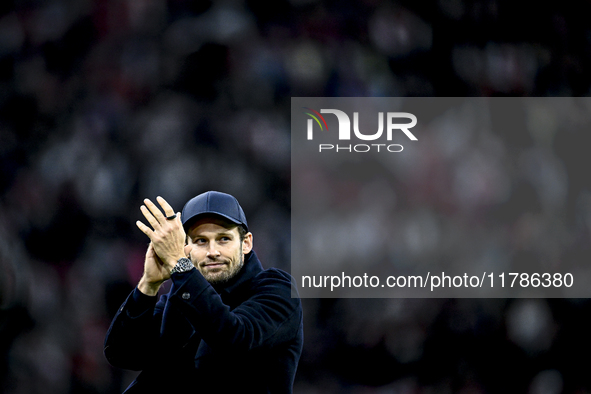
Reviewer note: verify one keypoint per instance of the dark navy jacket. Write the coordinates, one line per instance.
(245, 336)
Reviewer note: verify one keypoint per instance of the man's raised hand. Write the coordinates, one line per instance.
(167, 235)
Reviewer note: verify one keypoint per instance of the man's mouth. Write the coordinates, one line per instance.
(214, 265)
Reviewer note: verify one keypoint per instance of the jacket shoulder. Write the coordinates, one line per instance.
(275, 273)
(279, 279)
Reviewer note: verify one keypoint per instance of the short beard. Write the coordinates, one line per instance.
(224, 277)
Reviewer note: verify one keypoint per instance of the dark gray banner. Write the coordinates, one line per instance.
(441, 197)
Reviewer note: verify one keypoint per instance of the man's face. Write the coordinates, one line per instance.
(215, 248)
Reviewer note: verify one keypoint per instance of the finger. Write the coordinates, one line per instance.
(149, 217)
(168, 211)
(145, 229)
(155, 210)
(150, 252)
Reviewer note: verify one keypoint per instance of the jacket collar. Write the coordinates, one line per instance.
(252, 266)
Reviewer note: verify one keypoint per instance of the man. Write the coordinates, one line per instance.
(226, 325)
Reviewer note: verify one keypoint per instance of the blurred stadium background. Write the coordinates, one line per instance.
(106, 102)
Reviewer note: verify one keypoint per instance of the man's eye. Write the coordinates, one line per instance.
(200, 241)
(225, 239)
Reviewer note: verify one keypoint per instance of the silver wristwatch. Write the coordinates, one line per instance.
(182, 265)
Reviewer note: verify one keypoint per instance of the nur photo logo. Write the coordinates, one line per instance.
(392, 125)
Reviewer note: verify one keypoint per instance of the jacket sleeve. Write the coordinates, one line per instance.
(132, 340)
(269, 316)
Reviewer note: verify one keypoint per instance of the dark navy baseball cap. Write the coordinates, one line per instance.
(213, 203)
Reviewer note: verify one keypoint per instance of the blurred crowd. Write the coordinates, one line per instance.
(106, 102)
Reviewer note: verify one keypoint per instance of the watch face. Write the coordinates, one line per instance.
(183, 265)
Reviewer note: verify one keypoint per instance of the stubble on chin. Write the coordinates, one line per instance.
(216, 278)
(225, 275)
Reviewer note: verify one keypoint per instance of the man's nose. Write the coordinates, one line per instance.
(212, 250)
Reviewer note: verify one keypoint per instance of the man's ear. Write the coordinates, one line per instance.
(247, 243)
